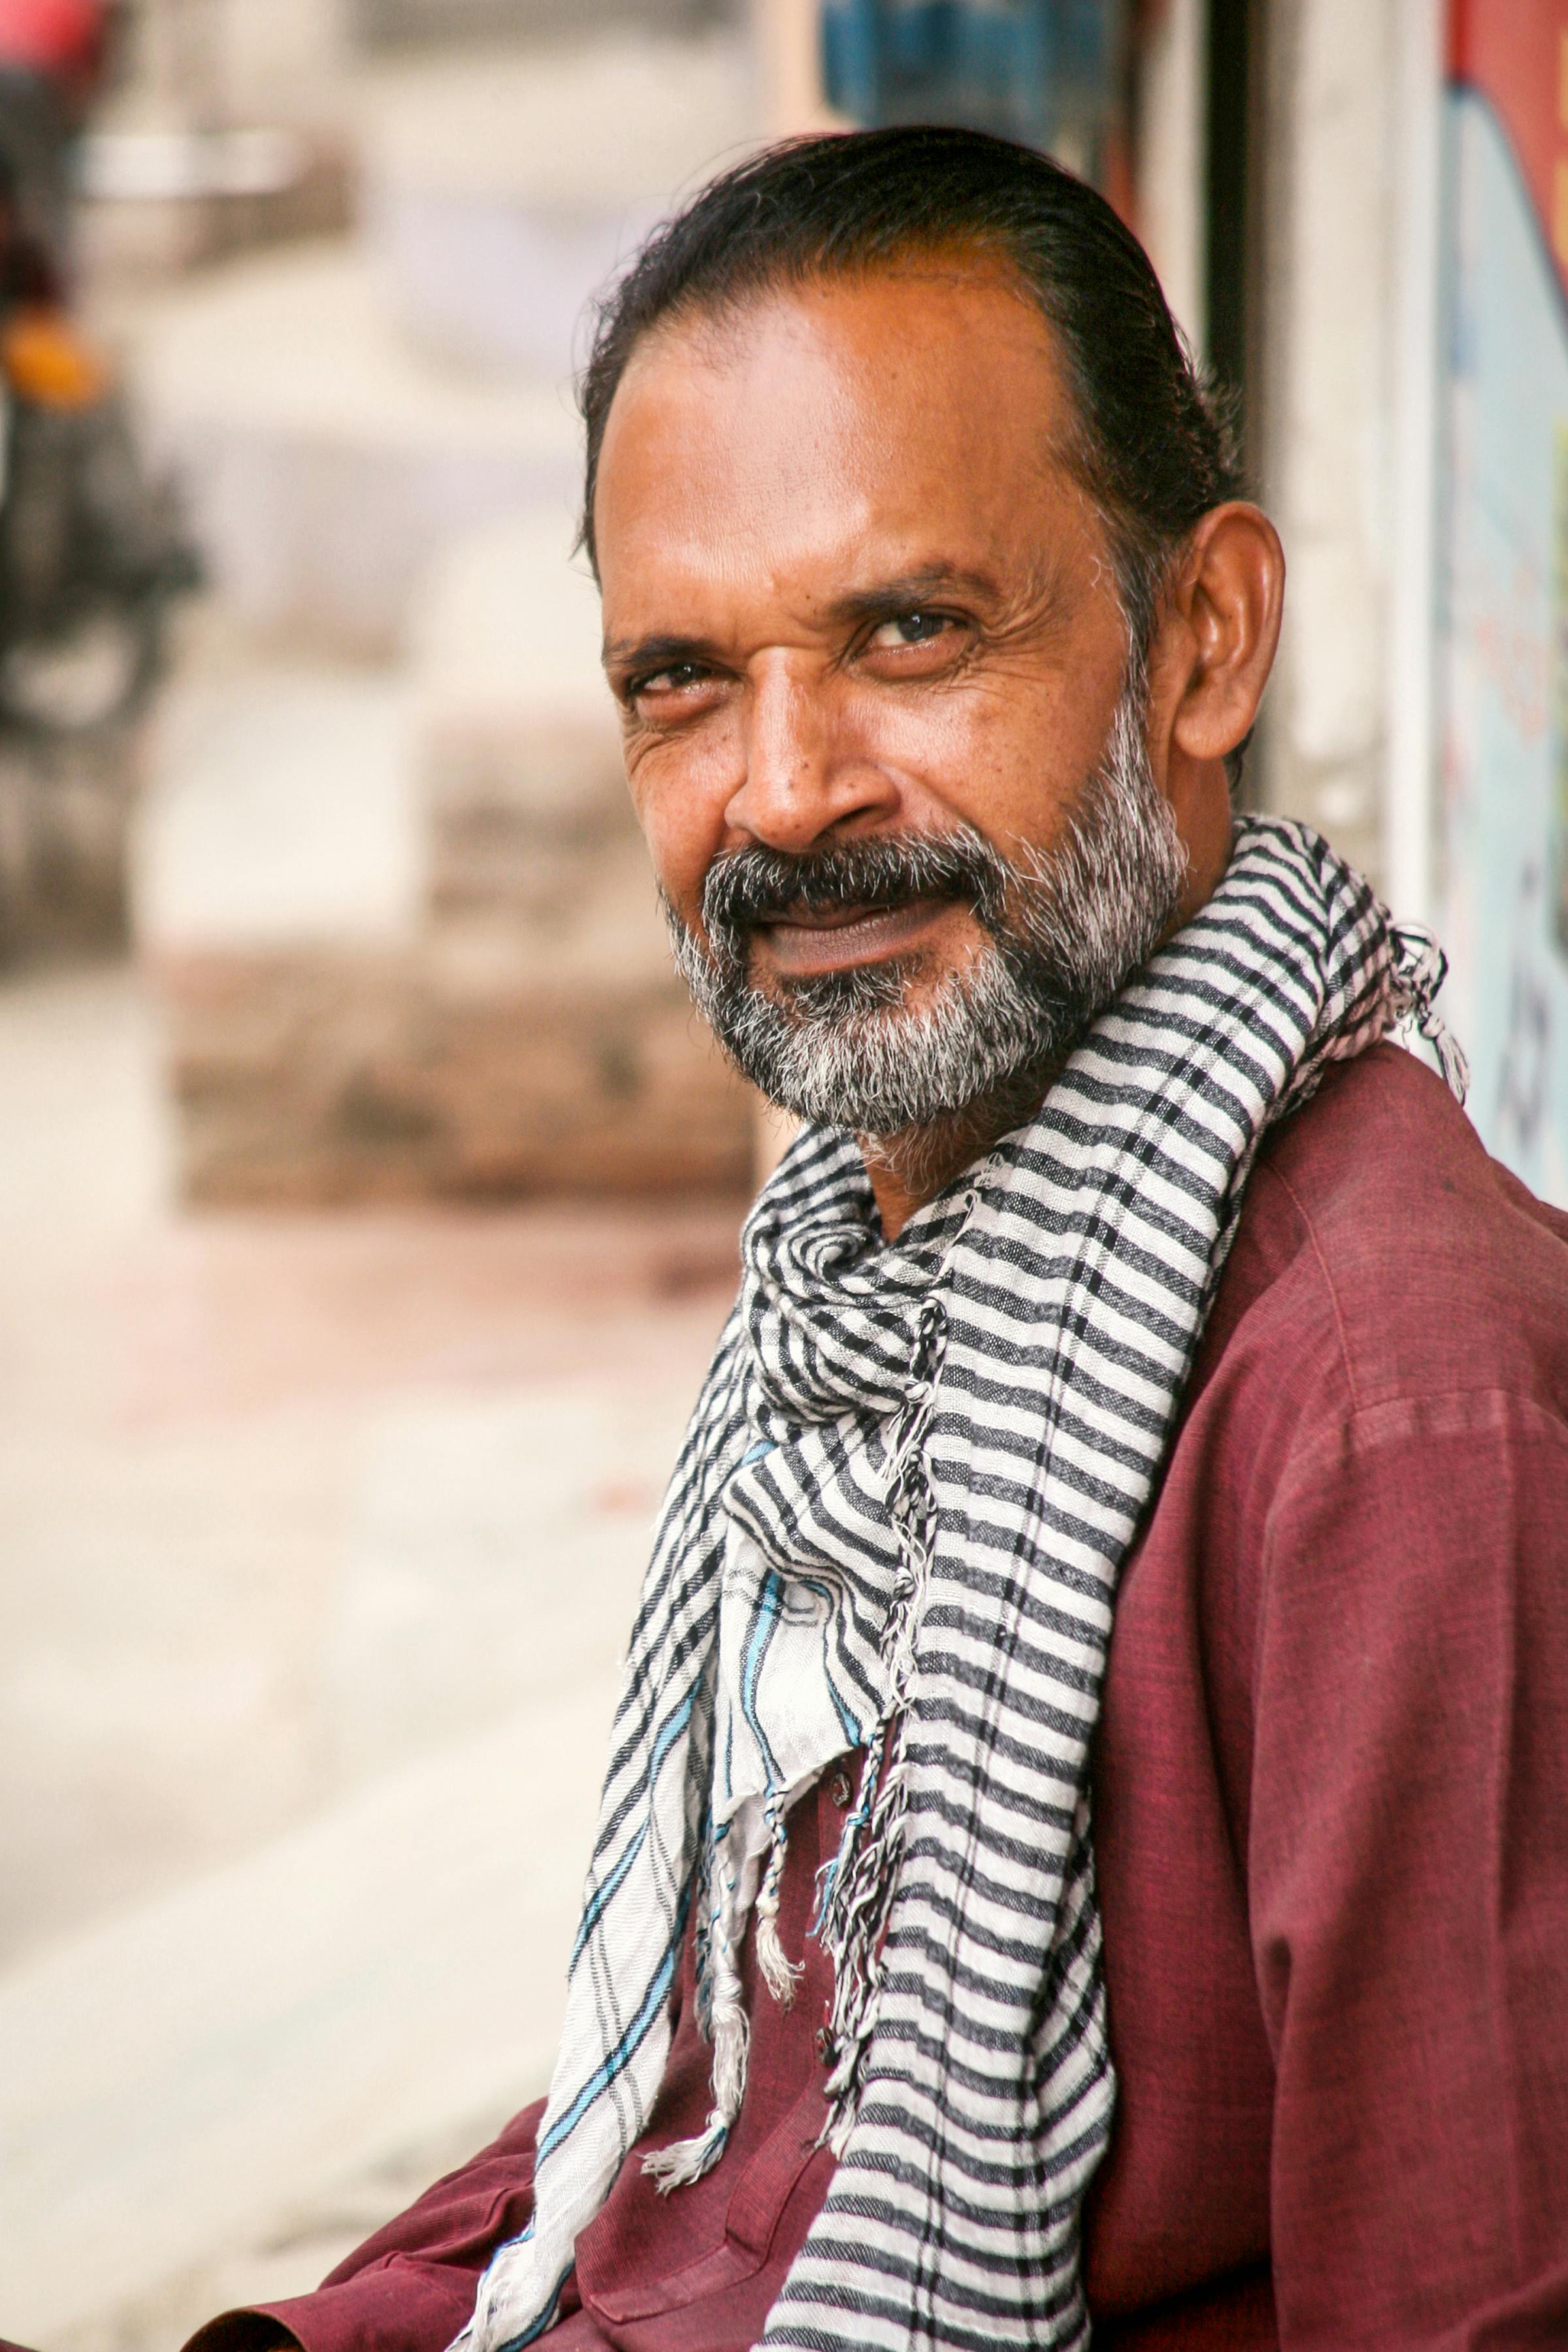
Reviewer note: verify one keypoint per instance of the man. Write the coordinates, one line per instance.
(952, 1972)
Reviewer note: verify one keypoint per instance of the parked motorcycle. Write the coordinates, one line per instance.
(93, 553)
(92, 550)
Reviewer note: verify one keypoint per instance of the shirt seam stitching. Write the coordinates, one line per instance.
(1304, 1214)
(1553, 1430)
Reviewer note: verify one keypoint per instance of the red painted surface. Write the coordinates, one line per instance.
(63, 37)
(1514, 53)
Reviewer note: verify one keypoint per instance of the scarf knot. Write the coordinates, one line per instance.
(833, 1314)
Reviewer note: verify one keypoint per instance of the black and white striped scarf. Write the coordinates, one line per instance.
(896, 1524)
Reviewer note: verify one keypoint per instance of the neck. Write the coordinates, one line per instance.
(909, 1170)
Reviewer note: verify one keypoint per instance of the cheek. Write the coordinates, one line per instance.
(997, 753)
(681, 791)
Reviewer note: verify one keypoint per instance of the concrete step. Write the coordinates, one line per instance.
(323, 458)
(521, 780)
(405, 936)
(503, 186)
(284, 809)
(430, 22)
(279, 2253)
(177, 2080)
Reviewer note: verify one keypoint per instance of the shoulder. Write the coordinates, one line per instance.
(1393, 1315)
(1382, 1251)
(1375, 1435)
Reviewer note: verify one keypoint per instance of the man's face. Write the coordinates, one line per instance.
(857, 606)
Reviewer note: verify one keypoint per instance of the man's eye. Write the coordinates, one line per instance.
(673, 680)
(910, 629)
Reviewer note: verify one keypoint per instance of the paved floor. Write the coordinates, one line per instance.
(320, 1536)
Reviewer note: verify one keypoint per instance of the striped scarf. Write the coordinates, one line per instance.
(896, 1524)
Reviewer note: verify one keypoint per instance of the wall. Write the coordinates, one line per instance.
(1171, 158)
(1328, 299)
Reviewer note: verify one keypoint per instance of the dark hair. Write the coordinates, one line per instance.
(1152, 447)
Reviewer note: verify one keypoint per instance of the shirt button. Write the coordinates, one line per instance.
(824, 2043)
(841, 1790)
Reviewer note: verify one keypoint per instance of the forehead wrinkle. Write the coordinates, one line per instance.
(711, 334)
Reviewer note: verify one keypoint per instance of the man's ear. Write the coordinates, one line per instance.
(1223, 625)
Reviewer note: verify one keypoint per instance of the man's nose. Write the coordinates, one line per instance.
(805, 772)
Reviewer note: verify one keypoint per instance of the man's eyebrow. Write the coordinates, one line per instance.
(909, 590)
(902, 594)
(656, 652)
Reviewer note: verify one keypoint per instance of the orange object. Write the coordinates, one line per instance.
(46, 361)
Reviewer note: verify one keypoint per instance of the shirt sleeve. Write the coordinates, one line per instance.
(1408, 1878)
(411, 2287)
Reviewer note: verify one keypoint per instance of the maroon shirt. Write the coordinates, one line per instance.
(1330, 1824)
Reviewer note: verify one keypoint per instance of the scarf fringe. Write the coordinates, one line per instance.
(857, 1888)
(688, 2159)
(780, 1973)
(1420, 968)
(858, 1885)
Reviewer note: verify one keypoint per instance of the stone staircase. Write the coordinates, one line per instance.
(388, 884)
(338, 412)
(401, 926)
(325, 458)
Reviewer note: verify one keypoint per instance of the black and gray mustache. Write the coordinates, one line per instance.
(746, 887)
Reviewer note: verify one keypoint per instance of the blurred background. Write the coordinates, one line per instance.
(369, 1199)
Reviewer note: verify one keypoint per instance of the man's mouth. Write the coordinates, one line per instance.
(868, 905)
(808, 941)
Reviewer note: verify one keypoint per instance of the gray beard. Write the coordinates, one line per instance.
(1063, 930)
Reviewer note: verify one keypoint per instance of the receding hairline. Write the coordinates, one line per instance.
(979, 261)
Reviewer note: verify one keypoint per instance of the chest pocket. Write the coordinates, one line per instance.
(757, 2204)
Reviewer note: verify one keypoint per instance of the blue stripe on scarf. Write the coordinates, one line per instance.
(825, 1593)
(547, 2317)
(770, 1603)
(669, 1733)
(604, 2075)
